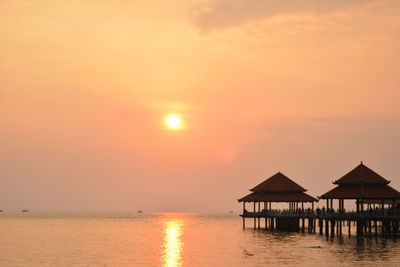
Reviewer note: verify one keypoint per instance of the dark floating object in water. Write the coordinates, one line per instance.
(139, 211)
(245, 252)
(25, 210)
(1, 210)
(230, 211)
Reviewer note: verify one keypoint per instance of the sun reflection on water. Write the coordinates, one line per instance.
(173, 245)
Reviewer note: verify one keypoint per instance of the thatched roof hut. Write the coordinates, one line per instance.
(361, 184)
(278, 188)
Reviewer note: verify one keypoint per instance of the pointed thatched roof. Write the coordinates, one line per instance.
(362, 183)
(278, 183)
(278, 188)
(362, 175)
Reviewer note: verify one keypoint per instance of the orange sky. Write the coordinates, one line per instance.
(309, 89)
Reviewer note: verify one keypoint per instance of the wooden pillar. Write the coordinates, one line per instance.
(383, 227)
(337, 227)
(254, 214)
(326, 227)
(244, 219)
(314, 225)
(298, 224)
(321, 225)
(349, 224)
(259, 218)
(360, 227)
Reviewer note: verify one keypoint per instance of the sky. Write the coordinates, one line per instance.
(309, 88)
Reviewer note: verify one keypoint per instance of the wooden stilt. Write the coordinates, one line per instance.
(326, 227)
(244, 211)
(255, 219)
(349, 225)
(320, 223)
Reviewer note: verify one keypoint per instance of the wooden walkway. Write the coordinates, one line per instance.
(378, 222)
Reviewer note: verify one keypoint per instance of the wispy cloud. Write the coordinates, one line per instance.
(307, 125)
(344, 126)
(226, 13)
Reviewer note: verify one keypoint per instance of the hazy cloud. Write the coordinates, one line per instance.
(338, 126)
(226, 13)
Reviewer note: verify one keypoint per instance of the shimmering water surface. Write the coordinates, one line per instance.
(173, 239)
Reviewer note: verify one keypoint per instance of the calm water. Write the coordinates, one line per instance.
(172, 239)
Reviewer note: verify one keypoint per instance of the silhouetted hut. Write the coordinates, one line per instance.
(363, 185)
(278, 188)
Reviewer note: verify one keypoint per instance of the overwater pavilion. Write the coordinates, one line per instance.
(366, 187)
(278, 188)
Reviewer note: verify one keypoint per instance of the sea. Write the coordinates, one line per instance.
(174, 239)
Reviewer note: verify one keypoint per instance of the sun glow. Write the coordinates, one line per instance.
(173, 245)
(173, 122)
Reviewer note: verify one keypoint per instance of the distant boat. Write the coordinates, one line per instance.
(25, 210)
(139, 211)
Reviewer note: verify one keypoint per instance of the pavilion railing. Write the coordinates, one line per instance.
(324, 213)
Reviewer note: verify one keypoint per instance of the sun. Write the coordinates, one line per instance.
(173, 121)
